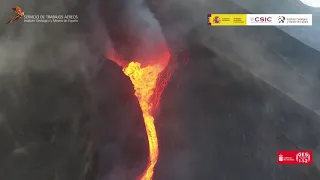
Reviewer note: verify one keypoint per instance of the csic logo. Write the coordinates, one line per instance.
(261, 19)
(281, 19)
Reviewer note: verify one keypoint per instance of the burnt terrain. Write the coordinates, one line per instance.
(54, 128)
(219, 121)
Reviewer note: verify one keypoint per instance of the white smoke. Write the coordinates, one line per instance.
(142, 32)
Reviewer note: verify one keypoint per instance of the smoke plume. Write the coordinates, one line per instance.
(134, 31)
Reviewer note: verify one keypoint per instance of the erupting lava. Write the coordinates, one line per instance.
(144, 80)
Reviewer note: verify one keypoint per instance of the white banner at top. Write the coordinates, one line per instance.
(279, 19)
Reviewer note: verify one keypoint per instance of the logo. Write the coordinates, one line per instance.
(216, 20)
(281, 19)
(295, 157)
(227, 19)
(280, 157)
(303, 157)
(261, 19)
(19, 14)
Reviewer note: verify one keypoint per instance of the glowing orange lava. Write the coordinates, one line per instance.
(144, 80)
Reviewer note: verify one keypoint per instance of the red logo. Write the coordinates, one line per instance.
(295, 157)
(216, 20)
(262, 19)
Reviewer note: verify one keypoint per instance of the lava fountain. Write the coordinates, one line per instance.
(148, 91)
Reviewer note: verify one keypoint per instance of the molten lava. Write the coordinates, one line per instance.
(144, 80)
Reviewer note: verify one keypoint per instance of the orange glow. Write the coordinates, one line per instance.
(144, 80)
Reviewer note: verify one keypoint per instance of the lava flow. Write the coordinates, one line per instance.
(144, 80)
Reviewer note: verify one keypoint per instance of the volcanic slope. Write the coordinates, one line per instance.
(219, 122)
(52, 127)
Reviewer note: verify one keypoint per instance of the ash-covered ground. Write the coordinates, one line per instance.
(68, 113)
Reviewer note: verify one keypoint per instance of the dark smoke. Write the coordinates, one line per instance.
(133, 29)
(67, 113)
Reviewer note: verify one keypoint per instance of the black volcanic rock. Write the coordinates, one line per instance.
(45, 122)
(267, 52)
(219, 122)
(56, 128)
(120, 135)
